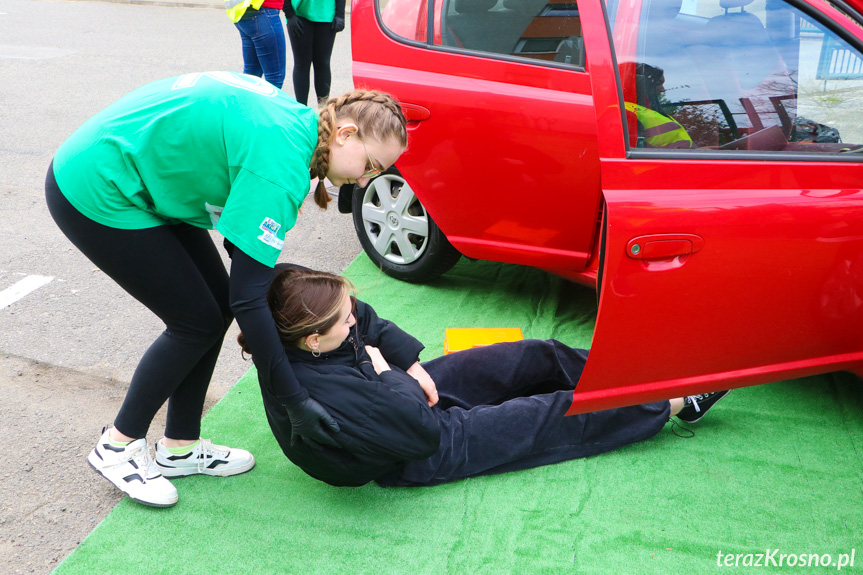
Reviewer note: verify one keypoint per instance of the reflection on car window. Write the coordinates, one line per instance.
(547, 30)
(754, 75)
(405, 18)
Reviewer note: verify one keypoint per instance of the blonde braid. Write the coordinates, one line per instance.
(375, 113)
(321, 156)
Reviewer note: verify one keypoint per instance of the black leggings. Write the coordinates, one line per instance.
(313, 47)
(176, 271)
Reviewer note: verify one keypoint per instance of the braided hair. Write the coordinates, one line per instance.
(376, 114)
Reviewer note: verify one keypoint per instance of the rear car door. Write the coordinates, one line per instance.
(502, 148)
(731, 155)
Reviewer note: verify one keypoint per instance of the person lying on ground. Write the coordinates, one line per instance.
(476, 412)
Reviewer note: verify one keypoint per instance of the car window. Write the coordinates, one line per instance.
(742, 75)
(405, 18)
(538, 30)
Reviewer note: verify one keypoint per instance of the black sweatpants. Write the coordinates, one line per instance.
(502, 409)
(176, 271)
(314, 47)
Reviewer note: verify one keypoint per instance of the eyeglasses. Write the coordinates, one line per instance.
(372, 171)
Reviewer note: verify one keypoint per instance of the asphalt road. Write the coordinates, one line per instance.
(61, 62)
(69, 337)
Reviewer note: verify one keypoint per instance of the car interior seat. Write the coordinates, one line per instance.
(740, 65)
(743, 38)
(473, 25)
(663, 44)
(487, 26)
(464, 22)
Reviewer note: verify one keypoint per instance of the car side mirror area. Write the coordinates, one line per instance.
(346, 196)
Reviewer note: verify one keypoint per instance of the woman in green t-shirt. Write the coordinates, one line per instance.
(137, 187)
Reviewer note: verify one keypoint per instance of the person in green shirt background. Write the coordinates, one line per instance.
(136, 188)
(312, 28)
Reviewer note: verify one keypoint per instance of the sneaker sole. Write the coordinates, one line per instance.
(165, 503)
(172, 472)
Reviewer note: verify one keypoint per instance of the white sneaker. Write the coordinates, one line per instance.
(206, 458)
(132, 471)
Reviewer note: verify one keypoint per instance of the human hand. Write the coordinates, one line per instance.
(338, 24)
(311, 422)
(426, 382)
(295, 26)
(378, 361)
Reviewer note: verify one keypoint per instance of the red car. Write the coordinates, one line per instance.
(698, 161)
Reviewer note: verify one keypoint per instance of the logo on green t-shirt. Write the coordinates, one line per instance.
(270, 227)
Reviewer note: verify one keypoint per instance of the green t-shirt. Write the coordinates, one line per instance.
(315, 10)
(217, 150)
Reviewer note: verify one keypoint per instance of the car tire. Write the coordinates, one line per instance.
(397, 232)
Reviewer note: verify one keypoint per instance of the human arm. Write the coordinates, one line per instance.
(416, 371)
(249, 283)
(339, 20)
(378, 361)
(384, 415)
(295, 23)
(397, 346)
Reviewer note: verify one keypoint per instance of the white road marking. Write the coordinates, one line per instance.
(32, 52)
(29, 284)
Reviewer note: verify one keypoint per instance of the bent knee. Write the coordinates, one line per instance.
(204, 325)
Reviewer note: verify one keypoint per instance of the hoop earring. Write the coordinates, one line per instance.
(316, 352)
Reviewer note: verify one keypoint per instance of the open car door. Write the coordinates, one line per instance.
(734, 247)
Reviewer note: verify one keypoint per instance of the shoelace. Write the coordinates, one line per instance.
(675, 426)
(141, 457)
(208, 452)
(694, 399)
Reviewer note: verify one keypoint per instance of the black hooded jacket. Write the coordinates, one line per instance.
(384, 419)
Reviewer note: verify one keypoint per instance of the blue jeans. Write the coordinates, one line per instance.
(502, 409)
(263, 44)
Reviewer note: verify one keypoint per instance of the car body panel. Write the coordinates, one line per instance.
(722, 267)
(775, 290)
(516, 133)
(773, 293)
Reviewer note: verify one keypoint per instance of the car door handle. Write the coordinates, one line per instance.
(414, 112)
(663, 246)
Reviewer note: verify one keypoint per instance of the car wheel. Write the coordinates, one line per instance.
(397, 232)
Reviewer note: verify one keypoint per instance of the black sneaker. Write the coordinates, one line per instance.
(695, 406)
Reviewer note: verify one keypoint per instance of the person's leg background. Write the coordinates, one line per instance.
(322, 51)
(264, 50)
(175, 271)
(251, 64)
(301, 48)
(502, 409)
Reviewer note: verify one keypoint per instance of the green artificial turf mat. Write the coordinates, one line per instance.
(773, 467)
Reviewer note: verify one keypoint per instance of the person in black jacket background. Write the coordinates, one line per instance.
(480, 411)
